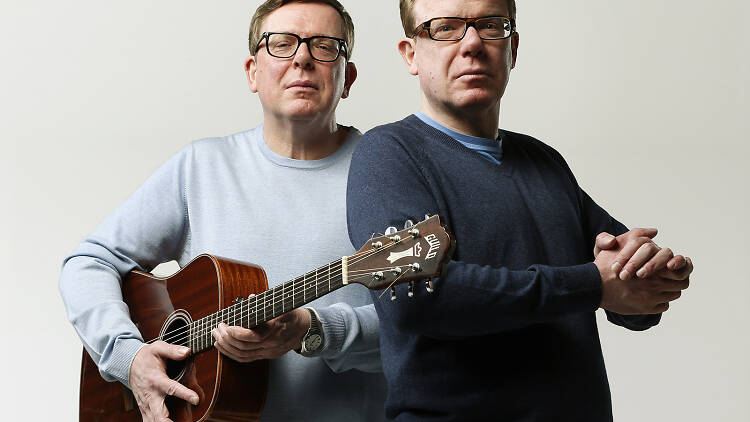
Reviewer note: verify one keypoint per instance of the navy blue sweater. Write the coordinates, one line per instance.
(510, 332)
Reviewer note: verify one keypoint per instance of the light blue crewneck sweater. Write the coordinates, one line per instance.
(234, 197)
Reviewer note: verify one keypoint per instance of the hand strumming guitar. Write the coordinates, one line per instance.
(150, 383)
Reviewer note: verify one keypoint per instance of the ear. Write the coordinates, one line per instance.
(514, 48)
(408, 53)
(350, 75)
(251, 67)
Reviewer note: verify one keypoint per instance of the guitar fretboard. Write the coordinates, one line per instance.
(268, 305)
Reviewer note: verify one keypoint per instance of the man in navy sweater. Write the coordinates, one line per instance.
(509, 333)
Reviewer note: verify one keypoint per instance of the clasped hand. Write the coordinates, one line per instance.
(639, 277)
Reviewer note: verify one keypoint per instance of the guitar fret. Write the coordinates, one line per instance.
(283, 298)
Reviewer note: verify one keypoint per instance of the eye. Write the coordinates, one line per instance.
(325, 45)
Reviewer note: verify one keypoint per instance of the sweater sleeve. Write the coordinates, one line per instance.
(147, 229)
(386, 187)
(351, 337)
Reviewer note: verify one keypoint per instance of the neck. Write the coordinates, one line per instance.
(268, 305)
(308, 139)
(480, 122)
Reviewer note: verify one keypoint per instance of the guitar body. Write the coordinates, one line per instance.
(183, 309)
(228, 390)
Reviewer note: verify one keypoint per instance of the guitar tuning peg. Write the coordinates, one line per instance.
(393, 293)
(408, 224)
(428, 286)
(411, 289)
(390, 231)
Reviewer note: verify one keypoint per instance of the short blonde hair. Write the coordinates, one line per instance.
(269, 6)
(406, 8)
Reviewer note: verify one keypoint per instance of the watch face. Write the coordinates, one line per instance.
(313, 342)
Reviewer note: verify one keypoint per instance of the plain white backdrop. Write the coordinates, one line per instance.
(648, 101)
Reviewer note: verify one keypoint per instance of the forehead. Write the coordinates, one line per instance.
(305, 19)
(428, 9)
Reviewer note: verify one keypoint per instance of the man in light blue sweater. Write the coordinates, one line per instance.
(274, 196)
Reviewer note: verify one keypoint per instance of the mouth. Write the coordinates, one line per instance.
(473, 73)
(302, 84)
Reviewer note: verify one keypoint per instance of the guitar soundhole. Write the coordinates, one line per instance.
(176, 332)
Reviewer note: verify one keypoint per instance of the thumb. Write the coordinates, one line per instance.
(604, 241)
(171, 351)
(645, 232)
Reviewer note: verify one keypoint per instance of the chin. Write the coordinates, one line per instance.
(476, 99)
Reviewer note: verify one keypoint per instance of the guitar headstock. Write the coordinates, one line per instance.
(415, 253)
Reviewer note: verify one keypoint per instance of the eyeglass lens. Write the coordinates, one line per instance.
(321, 48)
(490, 28)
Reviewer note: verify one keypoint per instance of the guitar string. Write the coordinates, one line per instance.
(231, 313)
(182, 334)
(355, 258)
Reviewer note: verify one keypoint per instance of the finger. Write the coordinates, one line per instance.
(171, 387)
(145, 412)
(643, 254)
(236, 354)
(629, 249)
(643, 232)
(667, 285)
(676, 263)
(157, 410)
(679, 274)
(162, 415)
(240, 338)
(669, 296)
(656, 263)
(604, 241)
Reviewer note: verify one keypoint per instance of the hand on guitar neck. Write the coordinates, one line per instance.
(150, 383)
(266, 341)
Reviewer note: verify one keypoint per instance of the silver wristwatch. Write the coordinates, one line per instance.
(313, 339)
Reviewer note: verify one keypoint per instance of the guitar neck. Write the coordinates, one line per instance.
(256, 310)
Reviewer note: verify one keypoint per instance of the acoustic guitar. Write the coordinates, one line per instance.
(184, 308)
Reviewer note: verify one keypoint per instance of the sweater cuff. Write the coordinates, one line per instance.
(118, 365)
(334, 330)
(581, 288)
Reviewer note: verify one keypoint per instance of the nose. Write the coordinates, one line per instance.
(303, 58)
(471, 44)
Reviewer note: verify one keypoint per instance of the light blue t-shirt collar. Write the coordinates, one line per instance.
(491, 149)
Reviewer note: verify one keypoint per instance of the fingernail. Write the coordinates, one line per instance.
(616, 267)
(640, 273)
(624, 275)
(194, 400)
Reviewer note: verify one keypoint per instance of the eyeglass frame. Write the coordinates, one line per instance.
(300, 41)
(467, 23)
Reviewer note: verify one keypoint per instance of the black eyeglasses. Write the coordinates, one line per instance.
(285, 44)
(454, 29)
